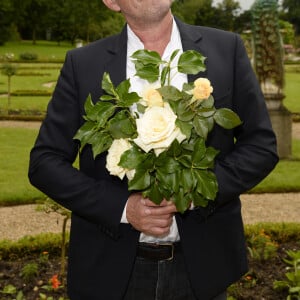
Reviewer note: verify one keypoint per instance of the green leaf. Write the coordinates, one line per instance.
(148, 72)
(201, 126)
(185, 128)
(175, 149)
(147, 57)
(199, 200)
(107, 85)
(165, 75)
(9, 289)
(188, 181)
(100, 141)
(126, 99)
(84, 130)
(154, 194)
(199, 151)
(208, 103)
(141, 108)
(101, 112)
(122, 125)
(133, 158)
(181, 201)
(166, 163)
(191, 62)
(88, 104)
(206, 112)
(185, 160)
(174, 54)
(140, 181)
(107, 98)
(208, 160)
(206, 183)
(169, 181)
(170, 93)
(226, 118)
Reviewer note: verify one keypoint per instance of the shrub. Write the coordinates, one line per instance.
(28, 56)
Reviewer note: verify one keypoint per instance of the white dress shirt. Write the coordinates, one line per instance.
(138, 85)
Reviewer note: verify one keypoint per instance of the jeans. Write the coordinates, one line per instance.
(161, 280)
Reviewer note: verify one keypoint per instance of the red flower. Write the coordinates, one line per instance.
(55, 282)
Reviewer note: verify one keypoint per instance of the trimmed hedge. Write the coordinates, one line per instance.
(31, 245)
(51, 242)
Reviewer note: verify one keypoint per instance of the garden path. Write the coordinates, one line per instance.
(18, 221)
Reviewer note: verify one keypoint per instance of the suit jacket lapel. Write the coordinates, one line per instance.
(191, 40)
(116, 65)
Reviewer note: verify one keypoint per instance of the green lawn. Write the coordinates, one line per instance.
(292, 89)
(15, 144)
(47, 73)
(45, 50)
(27, 103)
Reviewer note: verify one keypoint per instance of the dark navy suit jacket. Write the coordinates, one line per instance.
(102, 251)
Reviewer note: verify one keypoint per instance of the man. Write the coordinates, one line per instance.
(121, 245)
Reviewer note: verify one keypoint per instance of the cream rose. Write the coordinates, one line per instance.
(151, 97)
(157, 129)
(203, 89)
(117, 148)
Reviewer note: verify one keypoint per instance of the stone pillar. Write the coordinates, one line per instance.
(281, 119)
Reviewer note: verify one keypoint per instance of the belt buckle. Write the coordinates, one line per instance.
(172, 249)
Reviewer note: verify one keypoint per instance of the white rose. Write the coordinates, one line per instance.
(157, 130)
(117, 148)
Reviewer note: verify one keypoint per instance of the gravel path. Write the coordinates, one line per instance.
(18, 221)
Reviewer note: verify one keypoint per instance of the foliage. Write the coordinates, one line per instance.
(9, 70)
(287, 32)
(292, 281)
(30, 245)
(29, 271)
(51, 206)
(6, 17)
(278, 232)
(28, 56)
(261, 246)
(291, 10)
(175, 165)
(268, 52)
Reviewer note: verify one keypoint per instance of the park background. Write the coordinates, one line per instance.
(34, 38)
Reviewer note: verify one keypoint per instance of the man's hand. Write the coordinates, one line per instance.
(149, 218)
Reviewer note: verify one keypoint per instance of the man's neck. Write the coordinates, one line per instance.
(155, 36)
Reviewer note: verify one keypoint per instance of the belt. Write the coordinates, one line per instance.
(157, 252)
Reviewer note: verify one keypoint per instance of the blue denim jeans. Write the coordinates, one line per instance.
(161, 280)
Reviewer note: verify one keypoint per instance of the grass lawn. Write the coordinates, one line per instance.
(27, 103)
(15, 144)
(44, 49)
(292, 89)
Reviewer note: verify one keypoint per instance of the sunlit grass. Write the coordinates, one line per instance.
(15, 145)
(44, 49)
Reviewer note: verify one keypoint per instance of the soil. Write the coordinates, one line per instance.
(257, 284)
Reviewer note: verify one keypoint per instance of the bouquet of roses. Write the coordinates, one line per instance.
(160, 145)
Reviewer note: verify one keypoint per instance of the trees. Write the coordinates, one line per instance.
(292, 13)
(6, 15)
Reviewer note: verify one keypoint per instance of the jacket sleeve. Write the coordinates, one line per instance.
(51, 160)
(254, 154)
